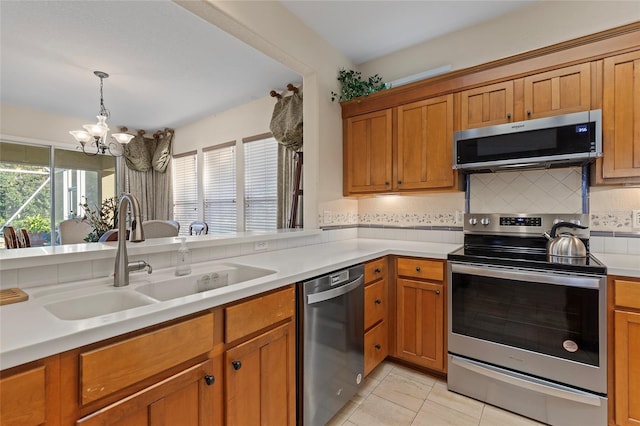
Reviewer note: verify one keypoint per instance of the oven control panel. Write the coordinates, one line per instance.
(521, 223)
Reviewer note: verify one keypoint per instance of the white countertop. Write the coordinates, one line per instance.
(29, 332)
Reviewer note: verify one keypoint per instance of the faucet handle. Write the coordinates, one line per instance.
(139, 265)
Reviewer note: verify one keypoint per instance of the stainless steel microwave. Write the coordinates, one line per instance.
(569, 139)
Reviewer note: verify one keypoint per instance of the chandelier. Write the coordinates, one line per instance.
(93, 139)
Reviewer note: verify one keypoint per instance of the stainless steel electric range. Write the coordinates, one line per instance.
(527, 331)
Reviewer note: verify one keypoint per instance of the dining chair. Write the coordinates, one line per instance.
(198, 228)
(74, 231)
(160, 228)
(15, 238)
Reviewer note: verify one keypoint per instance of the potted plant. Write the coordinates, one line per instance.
(37, 227)
(101, 219)
(353, 86)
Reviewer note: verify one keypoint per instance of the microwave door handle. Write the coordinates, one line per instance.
(527, 275)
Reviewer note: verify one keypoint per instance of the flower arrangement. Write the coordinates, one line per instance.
(354, 86)
(101, 219)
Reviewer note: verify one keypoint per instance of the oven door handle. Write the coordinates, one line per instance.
(551, 390)
(527, 275)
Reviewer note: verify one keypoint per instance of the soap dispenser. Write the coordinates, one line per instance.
(183, 266)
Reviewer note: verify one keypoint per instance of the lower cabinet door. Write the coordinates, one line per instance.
(183, 399)
(627, 368)
(376, 346)
(420, 323)
(260, 379)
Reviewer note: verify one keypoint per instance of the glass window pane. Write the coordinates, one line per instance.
(261, 184)
(25, 190)
(220, 210)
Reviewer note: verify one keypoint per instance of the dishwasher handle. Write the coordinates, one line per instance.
(335, 292)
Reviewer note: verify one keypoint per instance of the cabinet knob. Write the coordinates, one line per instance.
(377, 270)
(209, 379)
(399, 182)
(528, 113)
(438, 292)
(417, 269)
(386, 183)
(378, 301)
(508, 116)
(377, 346)
(237, 365)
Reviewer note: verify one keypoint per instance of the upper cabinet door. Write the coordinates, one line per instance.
(425, 145)
(367, 153)
(621, 116)
(487, 105)
(560, 91)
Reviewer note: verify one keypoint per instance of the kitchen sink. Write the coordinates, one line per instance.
(97, 304)
(217, 276)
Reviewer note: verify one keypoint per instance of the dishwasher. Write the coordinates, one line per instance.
(330, 357)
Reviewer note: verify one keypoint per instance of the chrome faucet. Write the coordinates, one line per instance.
(122, 266)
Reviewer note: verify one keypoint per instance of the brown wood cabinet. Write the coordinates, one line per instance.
(260, 364)
(487, 105)
(621, 120)
(560, 91)
(425, 145)
(423, 156)
(420, 310)
(368, 153)
(376, 313)
(29, 394)
(626, 350)
(183, 399)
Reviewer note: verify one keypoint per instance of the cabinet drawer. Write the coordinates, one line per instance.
(255, 314)
(375, 270)
(375, 303)
(114, 367)
(376, 347)
(627, 293)
(22, 398)
(421, 268)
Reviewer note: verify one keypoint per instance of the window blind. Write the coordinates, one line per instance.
(185, 190)
(220, 188)
(261, 184)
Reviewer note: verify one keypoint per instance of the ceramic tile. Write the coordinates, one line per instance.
(381, 371)
(403, 391)
(633, 246)
(434, 414)
(342, 416)
(616, 245)
(365, 390)
(493, 416)
(37, 276)
(441, 395)
(376, 411)
(415, 376)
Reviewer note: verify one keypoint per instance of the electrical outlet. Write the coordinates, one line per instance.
(260, 245)
(635, 219)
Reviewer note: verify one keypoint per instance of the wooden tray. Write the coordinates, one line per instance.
(12, 295)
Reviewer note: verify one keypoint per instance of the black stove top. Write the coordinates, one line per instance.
(505, 244)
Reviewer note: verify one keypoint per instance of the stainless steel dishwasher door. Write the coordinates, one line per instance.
(331, 343)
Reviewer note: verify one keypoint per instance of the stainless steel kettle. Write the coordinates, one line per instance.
(565, 244)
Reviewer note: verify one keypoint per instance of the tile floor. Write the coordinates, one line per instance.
(394, 395)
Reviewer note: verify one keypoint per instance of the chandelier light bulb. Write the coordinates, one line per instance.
(123, 138)
(81, 136)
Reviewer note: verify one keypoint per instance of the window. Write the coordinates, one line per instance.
(37, 195)
(220, 207)
(260, 183)
(185, 190)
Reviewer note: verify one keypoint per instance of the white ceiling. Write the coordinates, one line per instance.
(168, 67)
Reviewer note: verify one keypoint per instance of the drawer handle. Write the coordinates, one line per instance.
(378, 302)
(209, 379)
(377, 270)
(417, 269)
(378, 346)
(237, 365)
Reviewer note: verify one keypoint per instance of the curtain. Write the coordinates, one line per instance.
(286, 186)
(148, 174)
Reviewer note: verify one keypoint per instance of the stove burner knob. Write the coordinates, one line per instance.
(473, 221)
(485, 221)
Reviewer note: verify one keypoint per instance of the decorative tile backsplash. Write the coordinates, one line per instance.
(532, 191)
